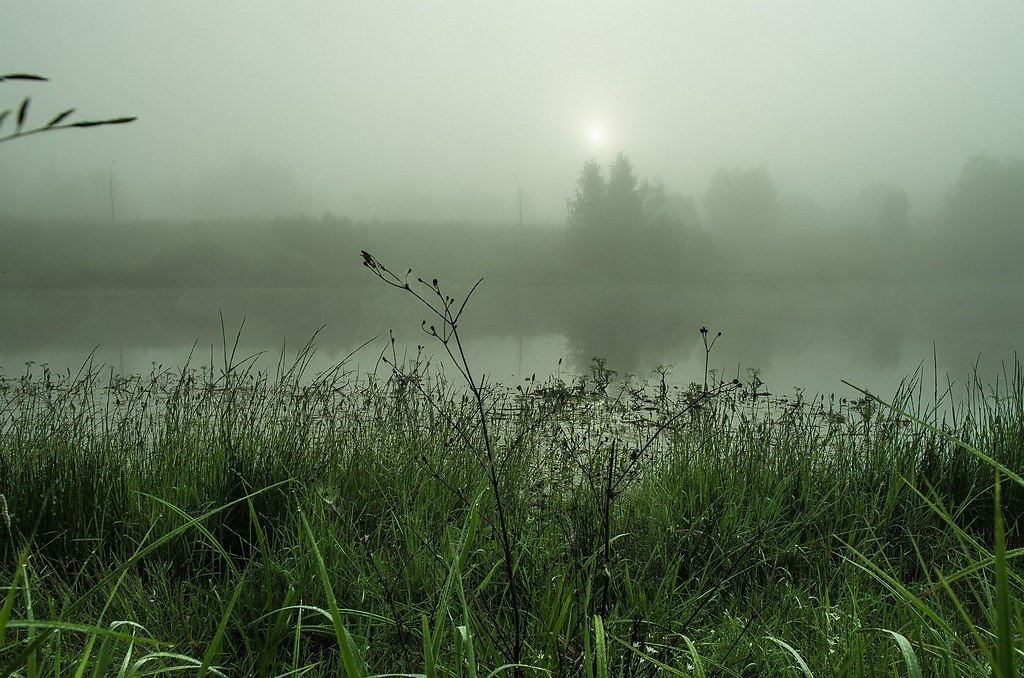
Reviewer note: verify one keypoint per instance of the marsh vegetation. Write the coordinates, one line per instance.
(222, 520)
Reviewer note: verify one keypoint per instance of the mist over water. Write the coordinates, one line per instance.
(794, 336)
(839, 192)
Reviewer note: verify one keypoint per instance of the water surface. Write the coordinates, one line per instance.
(871, 333)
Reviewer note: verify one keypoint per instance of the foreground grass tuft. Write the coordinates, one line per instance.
(235, 522)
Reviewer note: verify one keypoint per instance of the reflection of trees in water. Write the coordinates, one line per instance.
(629, 326)
(865, 326)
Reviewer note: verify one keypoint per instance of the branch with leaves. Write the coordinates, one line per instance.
(56, 123)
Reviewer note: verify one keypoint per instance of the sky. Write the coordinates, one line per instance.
(441, 110)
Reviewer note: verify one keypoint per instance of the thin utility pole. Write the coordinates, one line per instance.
(520, 185)
(519, 341)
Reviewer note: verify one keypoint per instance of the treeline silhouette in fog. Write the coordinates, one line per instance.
(620, 229)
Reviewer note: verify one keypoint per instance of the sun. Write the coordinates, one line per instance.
(596, 134)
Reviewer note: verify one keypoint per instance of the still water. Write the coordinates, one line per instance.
(796, 335)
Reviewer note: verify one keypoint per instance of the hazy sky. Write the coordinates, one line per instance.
(359, 107)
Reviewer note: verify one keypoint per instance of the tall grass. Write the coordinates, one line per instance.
(222, 520)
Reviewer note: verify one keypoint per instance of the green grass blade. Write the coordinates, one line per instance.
(84, 659)
(699, 668)
(187, 663)
(429, 659)
(600, 648)
(964, 616)
(935, 429)
(351, 662)
(117, 573)
(464, 639)
(804, 669)
(5, 611)
(102, 659)
(218, 638)
(906, 649)
(588, 652)
(507, 667)
(890, 582)
(202, 529)
(59, 625)
(698, 665)
(126, 661)
(32, 660)
(1004, 654)
(296, 640)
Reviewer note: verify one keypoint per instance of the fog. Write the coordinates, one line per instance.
(406, 110)
(839, 188)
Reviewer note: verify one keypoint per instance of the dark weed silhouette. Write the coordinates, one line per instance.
(55, 123)
(444, 328)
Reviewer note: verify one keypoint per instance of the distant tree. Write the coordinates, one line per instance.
(984, 217)
(248, 188)
(887, 207)
(988, 197)
(652, 201)
(615, 205)
(620, 229)
(679, 208)
(741, 202)
(55, 123)
(587, 210)
(894, 211)
(624, 199)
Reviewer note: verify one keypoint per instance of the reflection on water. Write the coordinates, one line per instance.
(810, 337)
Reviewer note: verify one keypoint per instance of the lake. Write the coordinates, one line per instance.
(872, 333)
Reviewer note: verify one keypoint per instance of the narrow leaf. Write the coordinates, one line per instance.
(909, 656)
(218, 638)
(60, 117)
(698, 671)
(5, 611)
(97, 123)
(464, 639)
(22, 76)
(600, 651)
(1004, 626)
(804, 669)
(349, 655)
(429, 661)
(22, 113)
(698, 665)
(118, 573)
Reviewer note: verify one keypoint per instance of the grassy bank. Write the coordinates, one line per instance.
(228, 522)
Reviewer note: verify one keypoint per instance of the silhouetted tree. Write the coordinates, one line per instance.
(587, 210)
(600, 206)
(888, 208)
(679, 208)
(989, 197)
(741, 202)
(619, 229)
(624, 201)
(984, 217)
(654, 203)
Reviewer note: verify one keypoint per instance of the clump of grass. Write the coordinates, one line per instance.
(246, 522)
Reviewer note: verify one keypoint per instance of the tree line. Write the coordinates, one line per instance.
(620, 229)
